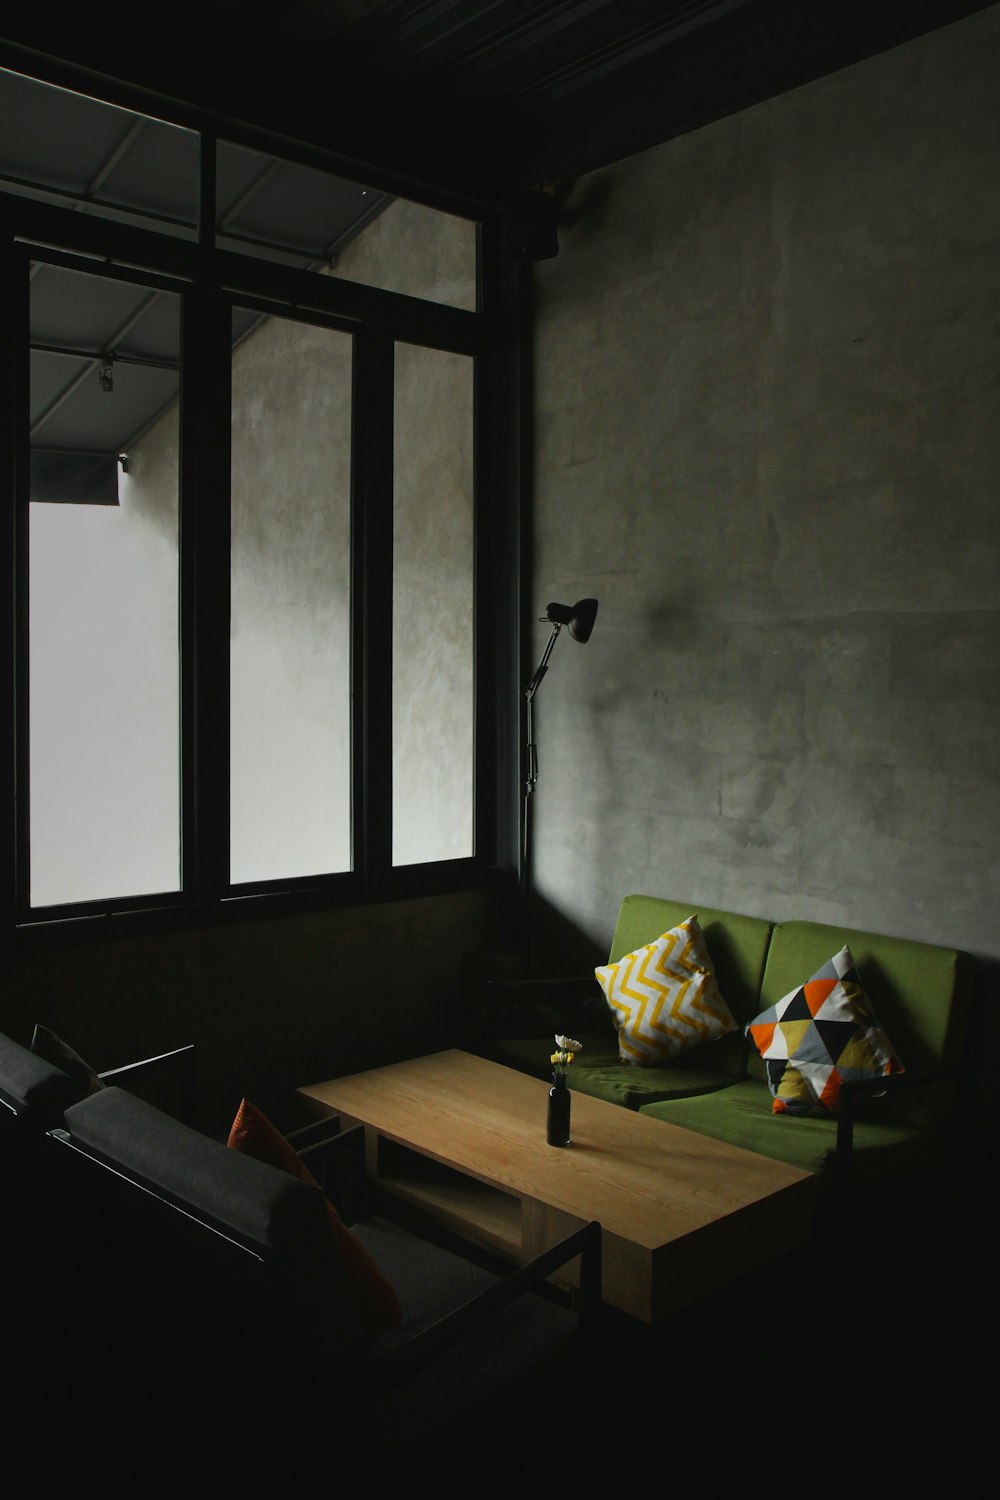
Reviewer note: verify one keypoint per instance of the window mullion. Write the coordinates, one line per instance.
(205, 542)
(13, 418)
(373, 509)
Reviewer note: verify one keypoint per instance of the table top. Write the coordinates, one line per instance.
(642, 1178)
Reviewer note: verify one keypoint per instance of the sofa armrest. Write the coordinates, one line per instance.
(543, 1007)
(336, 1158)
(314, 1136)
(856, 1093)
(584, 1243)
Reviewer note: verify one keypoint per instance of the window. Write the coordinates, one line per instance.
(248, 502)
(292, 213)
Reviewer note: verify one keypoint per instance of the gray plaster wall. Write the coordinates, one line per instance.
(768, 434)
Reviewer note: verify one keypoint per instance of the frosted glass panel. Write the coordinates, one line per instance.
(432, 676)
(103, 600)
(290, 629)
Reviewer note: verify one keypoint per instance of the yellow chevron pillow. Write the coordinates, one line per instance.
(664, 998)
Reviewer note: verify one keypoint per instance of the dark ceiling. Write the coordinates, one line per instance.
(479, 98)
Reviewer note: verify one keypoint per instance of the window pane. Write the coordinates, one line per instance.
(432, 644)
(103, 589)
(290, 745)
(63, 147)
(416, 250)
(276, 208)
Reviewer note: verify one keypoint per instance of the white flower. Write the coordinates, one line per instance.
(567, 1044)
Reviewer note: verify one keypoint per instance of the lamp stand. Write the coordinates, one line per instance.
(531, 766)
(579, 620)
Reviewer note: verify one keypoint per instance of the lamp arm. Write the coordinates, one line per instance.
(543, 665)
(531, 767)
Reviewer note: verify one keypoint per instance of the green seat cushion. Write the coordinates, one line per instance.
(605, 1077)
(738, 948)
(598, 1071)
(531, 1054)
(741, 1114)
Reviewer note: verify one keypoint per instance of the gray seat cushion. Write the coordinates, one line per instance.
(432, 1281)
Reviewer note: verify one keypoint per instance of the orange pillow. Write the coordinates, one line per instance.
(377, 1304)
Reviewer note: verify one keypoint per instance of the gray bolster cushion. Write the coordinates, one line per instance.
(32, 1086)
(257, 1204)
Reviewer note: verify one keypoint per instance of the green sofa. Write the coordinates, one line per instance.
(922, 994)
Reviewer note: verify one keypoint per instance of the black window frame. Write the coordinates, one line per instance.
(210, 281)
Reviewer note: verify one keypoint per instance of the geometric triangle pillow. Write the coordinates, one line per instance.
(664, 997)
(819, 1036)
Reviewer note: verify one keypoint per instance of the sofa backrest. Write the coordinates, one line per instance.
(922, 993)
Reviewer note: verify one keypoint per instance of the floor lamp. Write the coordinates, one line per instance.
(579, 621)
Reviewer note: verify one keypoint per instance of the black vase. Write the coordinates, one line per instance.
(557, 1133)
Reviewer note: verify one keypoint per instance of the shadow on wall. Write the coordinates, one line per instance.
(640, 635)
(582, 209)
(557, 948)
(980, 1080)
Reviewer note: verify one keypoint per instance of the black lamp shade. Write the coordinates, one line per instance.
(579, 617)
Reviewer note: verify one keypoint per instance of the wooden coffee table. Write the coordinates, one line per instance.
(464, 1140)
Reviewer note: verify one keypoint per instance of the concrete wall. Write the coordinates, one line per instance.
(768, 441)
